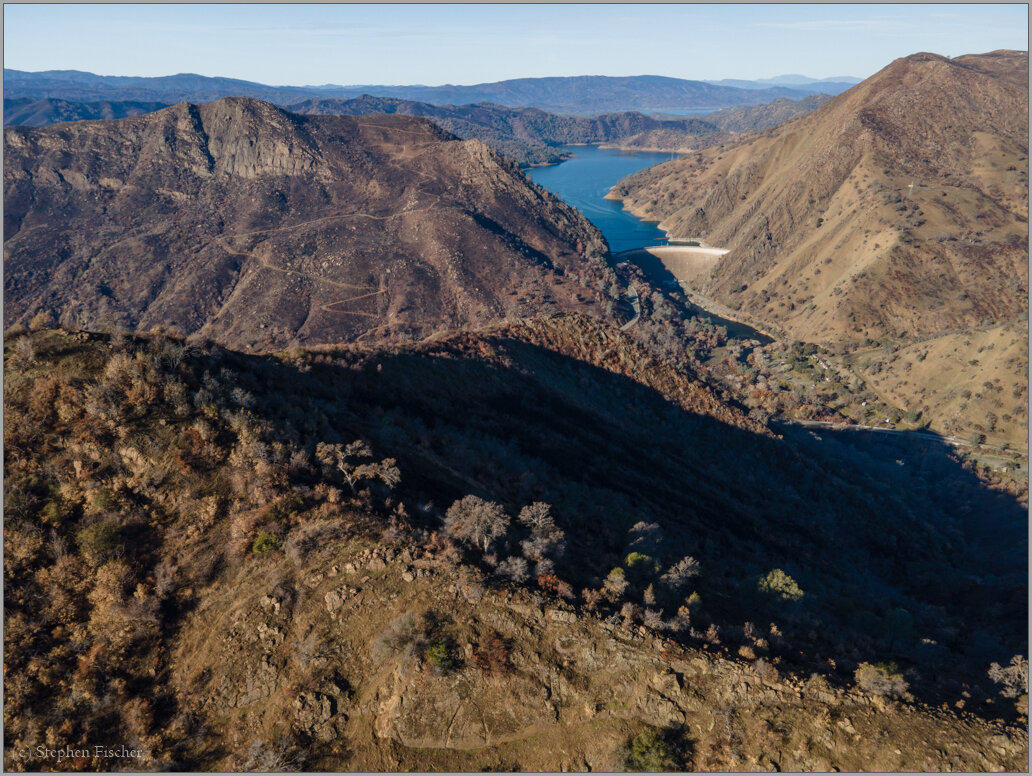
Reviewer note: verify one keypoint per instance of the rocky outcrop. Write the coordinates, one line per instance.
(566, 672)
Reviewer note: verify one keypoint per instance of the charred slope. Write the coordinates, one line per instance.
(826, 235)
(263, 228)
(186, 571)
(193, 578)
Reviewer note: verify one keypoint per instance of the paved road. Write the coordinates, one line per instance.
(632, 292)
(955, 441)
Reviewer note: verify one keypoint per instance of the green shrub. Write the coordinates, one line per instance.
(440, 657)
(52, 512)
(266, 542)
(103, 500)
(649, 752)
(100, 540)
(780, 585)
(640, 567)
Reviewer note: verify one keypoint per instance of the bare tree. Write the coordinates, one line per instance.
(476, 521)
(514, 568)
(1013, 679)
(547, 541)
(349, 460)
(676, 577)
(538, 518)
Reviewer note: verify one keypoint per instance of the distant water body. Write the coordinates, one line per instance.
(584, 181)
(679, 111)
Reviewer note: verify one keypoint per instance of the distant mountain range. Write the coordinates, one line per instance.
(573, 94)
(27, 112)
(528, 136)
(726, 124)
(803, 83)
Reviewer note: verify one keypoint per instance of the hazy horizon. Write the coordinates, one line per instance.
(434, 45)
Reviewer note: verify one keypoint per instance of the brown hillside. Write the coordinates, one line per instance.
(824, 232)
(198, 562)
(263, 228)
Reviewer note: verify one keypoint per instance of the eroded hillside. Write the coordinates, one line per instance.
(263, 228)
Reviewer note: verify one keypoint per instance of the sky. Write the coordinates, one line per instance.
(465, 44)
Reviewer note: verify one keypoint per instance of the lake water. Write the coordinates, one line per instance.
(584, 181)
(678, 111)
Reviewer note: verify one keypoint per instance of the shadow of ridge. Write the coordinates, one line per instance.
(931, 458)
(516, 422)
(655, 271)
(659, 276)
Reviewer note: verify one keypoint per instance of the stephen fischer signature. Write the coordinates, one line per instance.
(73, 753)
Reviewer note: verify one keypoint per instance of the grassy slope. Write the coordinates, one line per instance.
(975, 381)
(828, 239)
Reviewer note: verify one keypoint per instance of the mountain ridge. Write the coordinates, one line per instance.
(571, 94)
(879, 125)
(894, 216)
(260, 226)
(234, 585)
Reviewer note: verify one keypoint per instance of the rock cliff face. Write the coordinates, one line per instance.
(898, 208)
(264, 229)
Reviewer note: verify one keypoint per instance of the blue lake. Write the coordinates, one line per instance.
(584, 181)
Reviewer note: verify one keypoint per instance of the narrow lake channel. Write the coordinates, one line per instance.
(584, 181)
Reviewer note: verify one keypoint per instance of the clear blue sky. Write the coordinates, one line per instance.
(465, 44)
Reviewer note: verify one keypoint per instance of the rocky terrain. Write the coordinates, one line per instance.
(897, 210)
(348, 559)
(264, 228)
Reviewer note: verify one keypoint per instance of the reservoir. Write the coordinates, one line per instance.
(584, 181)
